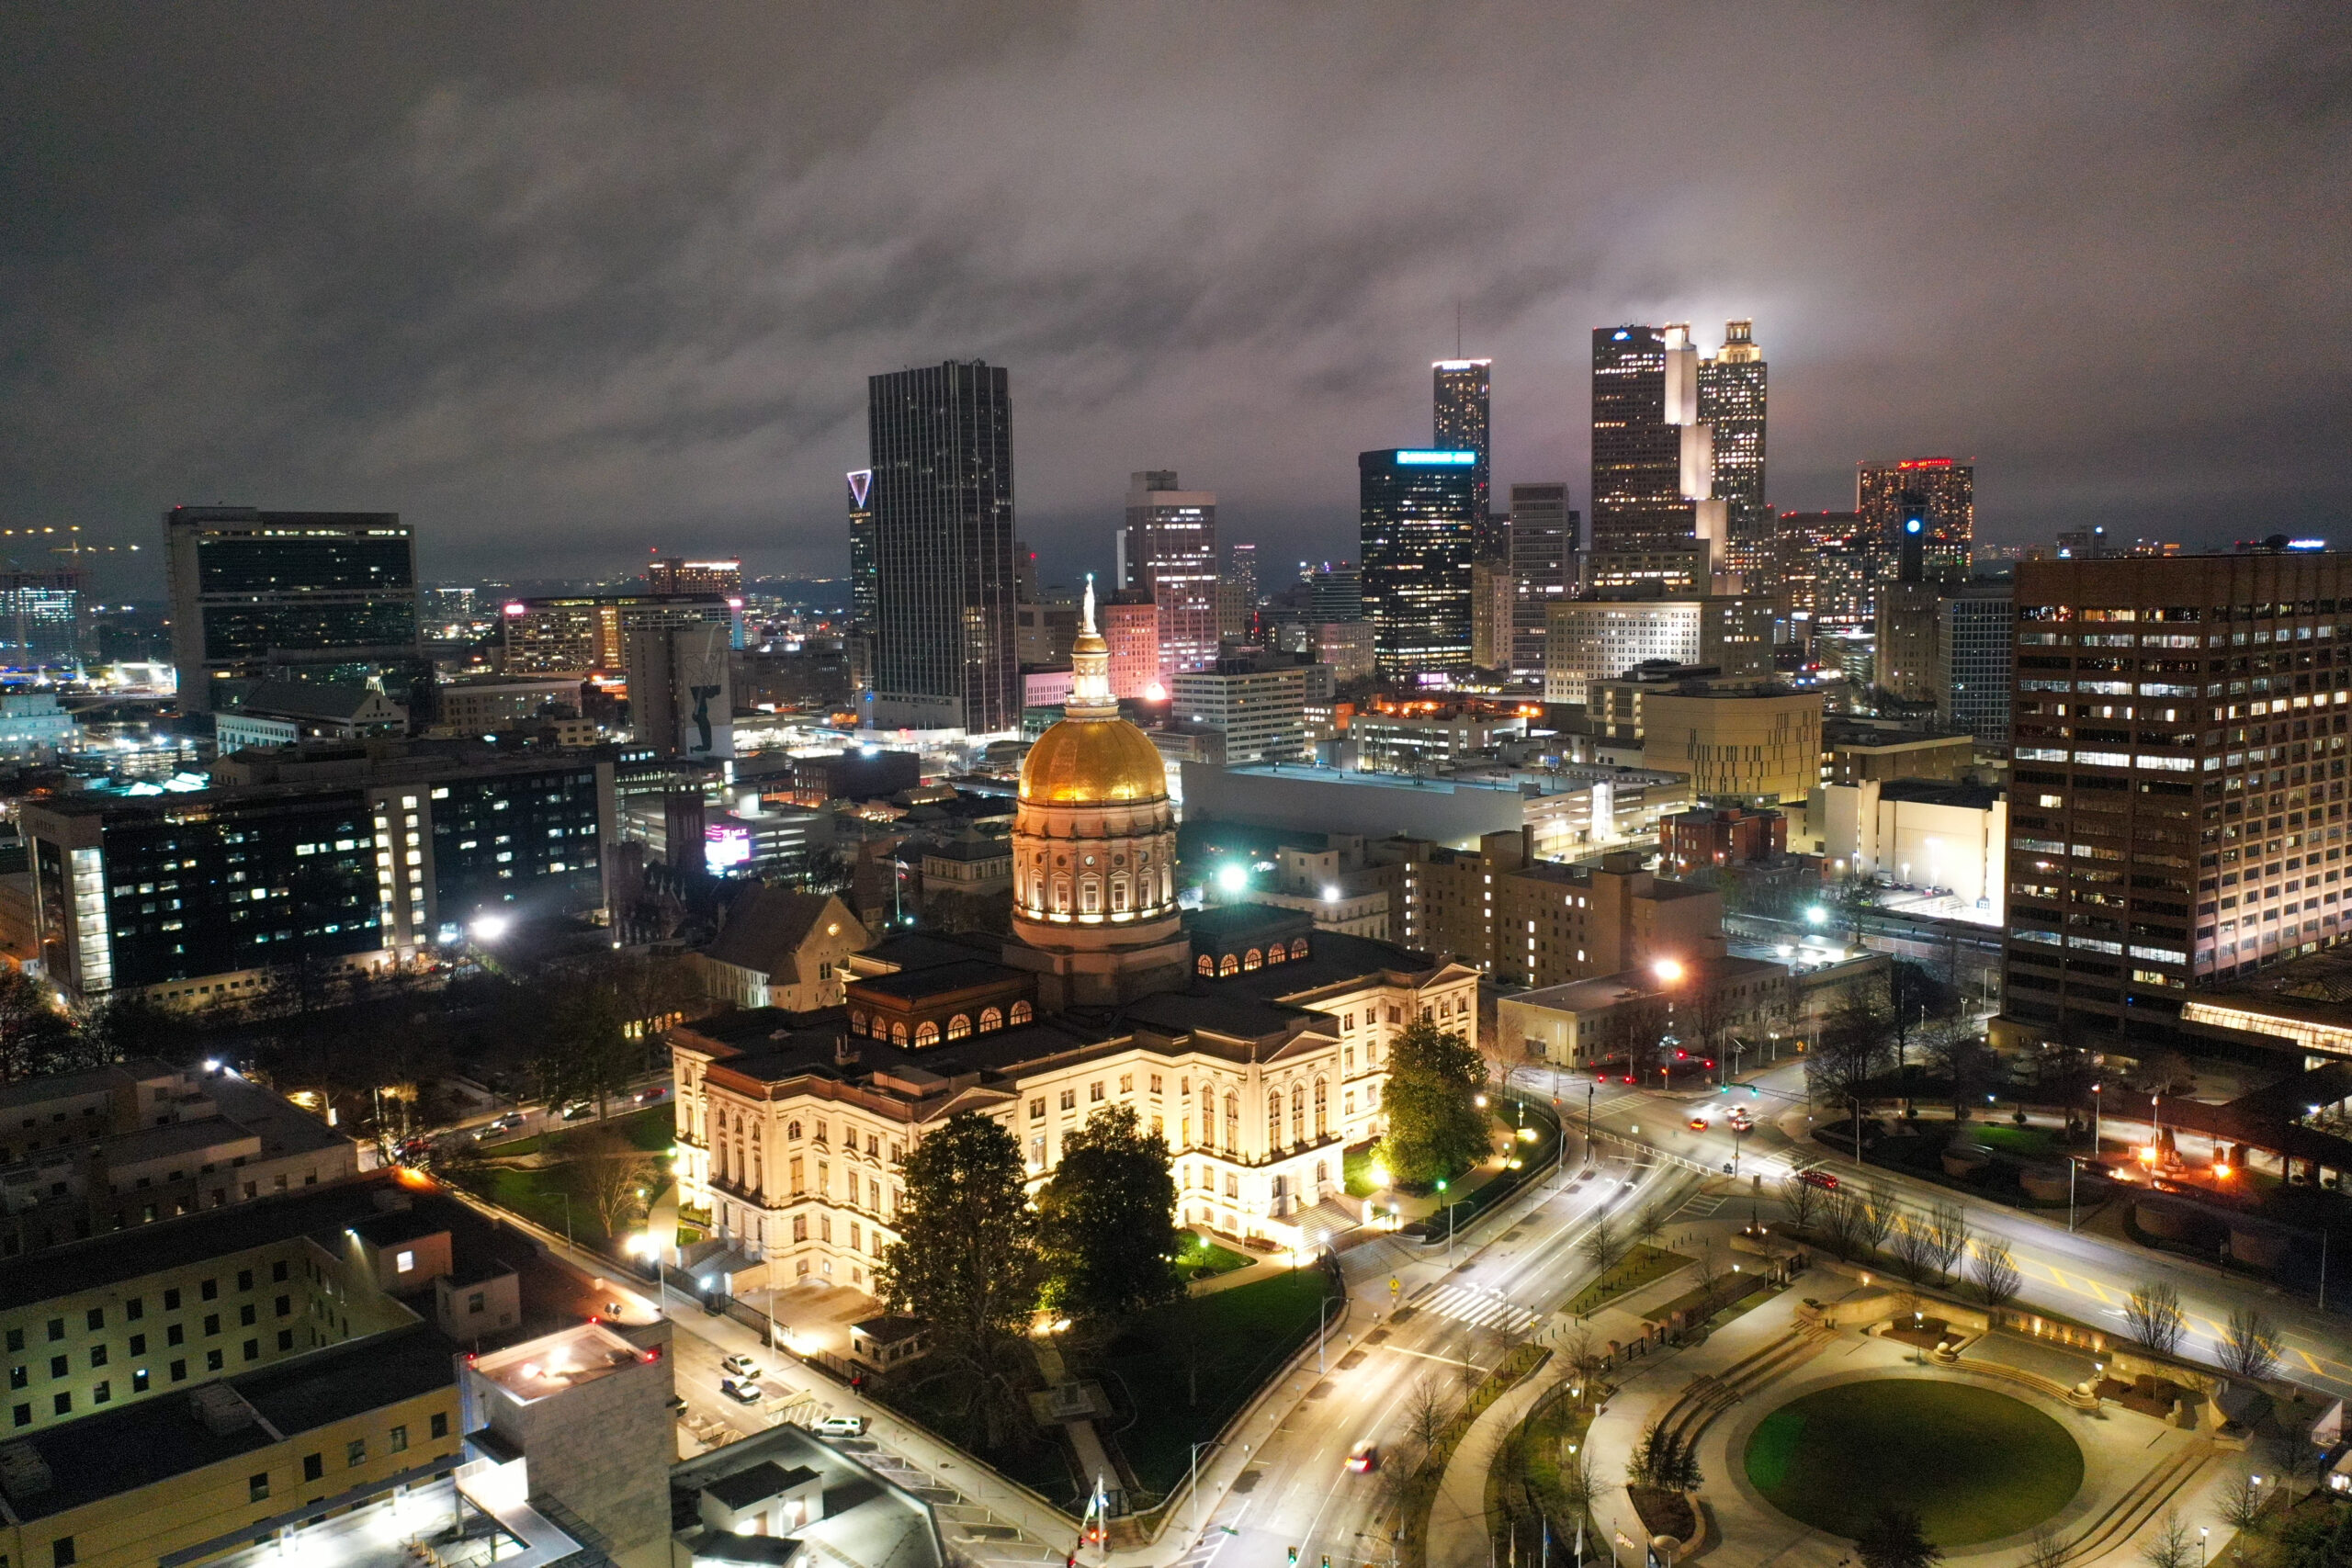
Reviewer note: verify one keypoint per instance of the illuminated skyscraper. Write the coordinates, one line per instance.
(861, 591)
(1168, 552)
(1883, 492)
(1637, 449)
(1418, 523)
(1543, 568)
(941, 440)
(40, 619)
(1731, 403)
(1460, 413)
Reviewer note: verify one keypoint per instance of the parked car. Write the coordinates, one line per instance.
(740, 1366)
(743, 1391)
(841, 1427)
(1363, 1458)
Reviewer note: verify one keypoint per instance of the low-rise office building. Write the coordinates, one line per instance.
(1712, 1007)
(1922, 833)
(1532, 923)
(778, 947)
(1854, 752)
(1755, 744)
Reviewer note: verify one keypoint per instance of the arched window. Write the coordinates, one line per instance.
(1021, 1014)
(960, 1026)
(1297, 1113)
(1205, 965)
(1232, 1120)
(1253, 959)
(1275, 954)
(1229, 965)
(1274, 1119)
(1298, 947)
(991, 1020)
(857, 1023)
(1322, 1109)
(926, 1033)
(898, 1034)
(791, 1131)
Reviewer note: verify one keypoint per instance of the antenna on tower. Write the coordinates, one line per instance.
(1457, 326)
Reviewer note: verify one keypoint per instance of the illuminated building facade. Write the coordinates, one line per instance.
(589, 634)
(941, 444)
(1543, 568)
(1732, 404)
(40, 619)
(863, 592)
(1942, 490)
(2176, 807)
(327, 594)
(1460, 409)
(1168, 552)
(1637, 490)
(1419, 523)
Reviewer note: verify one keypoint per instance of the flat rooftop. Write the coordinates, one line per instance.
(543, 1367)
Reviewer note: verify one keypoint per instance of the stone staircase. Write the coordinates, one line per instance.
(2144, 1501)
(1709, 1394)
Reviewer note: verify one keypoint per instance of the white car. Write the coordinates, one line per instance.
(739, 1366)
(743, 1391)
(841, 1427)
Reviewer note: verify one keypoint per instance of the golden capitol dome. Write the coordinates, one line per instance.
(1093, 756)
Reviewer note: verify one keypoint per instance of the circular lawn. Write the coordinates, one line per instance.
(1974, 1465)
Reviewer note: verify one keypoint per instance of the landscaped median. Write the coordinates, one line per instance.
(1435, 1428)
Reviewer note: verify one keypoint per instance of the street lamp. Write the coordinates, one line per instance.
(646, 1246)
(1196, 1482)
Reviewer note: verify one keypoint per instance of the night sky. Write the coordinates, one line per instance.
(561, 283)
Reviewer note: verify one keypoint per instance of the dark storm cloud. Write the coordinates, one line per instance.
(562, 283)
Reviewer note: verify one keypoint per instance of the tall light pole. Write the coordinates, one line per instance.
(1196, 1482)
(646, 1246)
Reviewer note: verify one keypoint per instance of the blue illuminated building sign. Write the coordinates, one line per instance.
(1407, 458)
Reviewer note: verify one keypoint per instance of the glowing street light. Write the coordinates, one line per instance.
(1233, 877)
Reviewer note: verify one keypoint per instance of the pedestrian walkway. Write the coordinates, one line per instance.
(1478, 1308)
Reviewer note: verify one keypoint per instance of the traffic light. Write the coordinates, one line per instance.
(1293, 1557)
(1755, 1093)
(1294, 1550)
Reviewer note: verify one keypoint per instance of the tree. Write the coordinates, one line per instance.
(1107, 1220)
(1435, 1128)
(2295, 1459)
(2317, 1541)
(2250, 1345)
(35, 1037)
(1663, 1462)
(1892, 1539)
(129, 1024)
(1914, 1247)
(2173, 1546)
(2154, 1317)
(584, 1051)
(1650, 1222)
(610, 1176)
(2240, 1504)
(1602, 1247)
(2046, 1549)
(1427, 1411)
(1916, 1001)
(1948, 1234)
(1850, 1048)
(967, 1262)
(1630, 1033)
(1873, 1218)
(1967, 1063)
(1998, 1280)
(1801, 1198)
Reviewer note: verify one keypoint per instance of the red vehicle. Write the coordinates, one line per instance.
(1820, 1179)
(1363, 1458)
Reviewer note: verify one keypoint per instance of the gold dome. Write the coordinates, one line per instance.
(1083, 762)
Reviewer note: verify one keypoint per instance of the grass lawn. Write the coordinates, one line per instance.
(1972, 1463)
(1356, 1165)
(653, 1129)
(1640, 1265)
(1240, 1337)
(2032, 1142)
(537, 1195)
(1197, 1258)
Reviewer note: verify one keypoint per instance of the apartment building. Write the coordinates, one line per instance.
(1532, 923)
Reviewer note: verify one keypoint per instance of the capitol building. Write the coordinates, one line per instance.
(1255, 1044)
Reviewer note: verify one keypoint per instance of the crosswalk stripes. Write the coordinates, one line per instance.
(1701, 1206)
(1480, 1310)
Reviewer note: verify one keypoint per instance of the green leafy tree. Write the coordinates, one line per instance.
(130, 1025)
(2317, 1541)
(1435, 1127)
(967, 1262)
(1664, 1462)
(1894, 1539)
(35, 1037)
(1107, 1220)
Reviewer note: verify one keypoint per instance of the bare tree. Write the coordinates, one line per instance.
(2250, 1345)
(1650, 1222)
(2045, 1548)
(1603, 1248)
(2296, 1459)
(2173, 1546)
(1801, 1199)
(1998, 1280)
(1948, 1232)
(1874, 1218)
(1913, 1248)
(1707, 1268)
(1427, 1411)
(1841, 1221)
(2154, 1317)
(2240, 1504)
(610, 1175)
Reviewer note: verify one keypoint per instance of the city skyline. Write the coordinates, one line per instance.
(522, 367)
